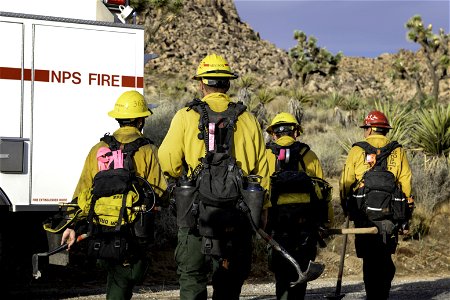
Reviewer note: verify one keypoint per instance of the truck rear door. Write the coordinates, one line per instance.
(77, 70)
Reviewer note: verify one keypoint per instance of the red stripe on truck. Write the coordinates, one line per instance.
(69, 77)
(16, 74)
(131, 81)
(41, 75)
(10, 73)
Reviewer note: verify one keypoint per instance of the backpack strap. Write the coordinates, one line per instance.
(381, 153)
(236, 109)
(303, 150)
(232, 113)
(387, 150)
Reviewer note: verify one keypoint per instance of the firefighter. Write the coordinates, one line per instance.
(180, 152)
(294, 217)
(378, 267)
(130, 111)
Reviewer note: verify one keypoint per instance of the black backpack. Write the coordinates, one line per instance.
(378, 197)
(118, 206)
(219, 180)
(289, 178)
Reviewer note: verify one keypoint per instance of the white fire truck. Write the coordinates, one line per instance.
(62, 66)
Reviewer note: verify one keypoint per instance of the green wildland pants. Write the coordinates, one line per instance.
(122, 279)
(193, 267)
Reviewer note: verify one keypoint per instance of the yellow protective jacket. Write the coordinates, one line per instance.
(145, 159)
(356, 166)
(313, 169)
(182, 143)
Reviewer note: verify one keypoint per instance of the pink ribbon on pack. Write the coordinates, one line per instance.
(118, 159)
(211, 131)
(282, 154)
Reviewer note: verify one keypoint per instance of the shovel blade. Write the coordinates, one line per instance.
(313, 272)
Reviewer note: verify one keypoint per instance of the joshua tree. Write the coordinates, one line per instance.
(311, 59)
(404, 67)
(435, 48)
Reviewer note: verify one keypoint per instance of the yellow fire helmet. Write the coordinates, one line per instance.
(286, 119)
(214, 66)
(130, 105)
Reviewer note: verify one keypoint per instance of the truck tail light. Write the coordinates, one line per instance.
(115, 2)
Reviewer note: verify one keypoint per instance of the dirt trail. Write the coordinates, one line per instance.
(407, 288)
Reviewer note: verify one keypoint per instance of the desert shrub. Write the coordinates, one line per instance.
(431, 188)
(399, 116)
(327, 150)
(420, 223)
(169, 89)
(316, 114)
(264, 95)
(335, 99)
(346, 137)
(431, 181)
(431, 130)
(246, 81)
(157, 125)
(352, 102)
(277, 105)
(300, 96)
(281, 91)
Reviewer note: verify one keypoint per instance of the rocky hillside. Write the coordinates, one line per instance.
(206, 26)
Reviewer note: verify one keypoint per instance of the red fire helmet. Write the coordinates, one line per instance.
(376, 119)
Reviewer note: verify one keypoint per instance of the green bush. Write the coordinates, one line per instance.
(300, 96)
(399, 116)
(333, 100)
(352, 102)
(431, 130)
(246, 81)
(264, 95)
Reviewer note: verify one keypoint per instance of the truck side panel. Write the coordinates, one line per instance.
(14, 185)
(72, 74)
(11, 66)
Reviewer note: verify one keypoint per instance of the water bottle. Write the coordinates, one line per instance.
(185, 194)
(253, 196)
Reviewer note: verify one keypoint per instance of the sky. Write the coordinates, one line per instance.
(366, 28)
